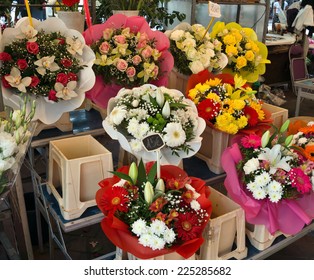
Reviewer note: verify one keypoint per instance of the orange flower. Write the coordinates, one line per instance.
(295, 126)
(309, 152)
(307, 129)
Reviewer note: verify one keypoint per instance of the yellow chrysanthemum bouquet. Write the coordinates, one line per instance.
(246, 55)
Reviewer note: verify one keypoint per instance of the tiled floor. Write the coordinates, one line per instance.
(90, 242)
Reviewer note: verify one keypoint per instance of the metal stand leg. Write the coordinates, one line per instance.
(297, 106)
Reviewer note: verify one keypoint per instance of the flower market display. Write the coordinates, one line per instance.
(246, 55)
(271, 180)
(128, 54)
(226, 102)
(14, 133)
(136, 113)
(47, 62)
(149, 216)
(194, 51)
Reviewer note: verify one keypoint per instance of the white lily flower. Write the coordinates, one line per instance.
(275, 159)
(74, 46)
(29, 32)
(46, 63)
(66, 92)
(15, 80)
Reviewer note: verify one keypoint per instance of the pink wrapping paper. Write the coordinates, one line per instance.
(101, 93)
(287, 216)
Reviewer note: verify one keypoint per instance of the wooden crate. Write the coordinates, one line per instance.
(278, 115)
(76, 166)
(91, 105)
(177, 81)
(225, 230)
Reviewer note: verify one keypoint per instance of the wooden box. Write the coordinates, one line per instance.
(177, 81)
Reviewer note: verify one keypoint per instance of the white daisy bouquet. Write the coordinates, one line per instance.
(14, 134)
(194, 51)
(136, 113)
(46, 61)
(271, 181)
(149, 216)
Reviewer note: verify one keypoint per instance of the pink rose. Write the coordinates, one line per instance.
(5, 83)
(35, 81)
(52, 95)
(130, 72)
(120, 39)
(72, 77)
(107, 33)
(104, 48)
(142, 41)
(156, 71)
(32, 47)
(136, 60)
(5, 56)
(147, 52)
(62, 78)
(122, 65)
(22, 64)
(66, 62)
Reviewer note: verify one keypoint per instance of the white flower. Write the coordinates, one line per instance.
(275, 196)
(157, 243)
(196, 66)
(175, 135)
(29, 32)
(6, 164)
(117, 115)
(145, 239)
(195, 205)
(259, 193)
(158, 227)
(66, 92)
(74, 46)
(262, 179)
(302, 140)
(139, 227)
(251, 165)
(133, 126)
(46, 63)
(166, 110)
(177, 35)
(136, 145)
(274, 186)
(15, 80)
(251, 186)
(7, 145)
(169, 236)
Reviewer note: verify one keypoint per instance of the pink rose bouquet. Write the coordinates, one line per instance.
(128, 54)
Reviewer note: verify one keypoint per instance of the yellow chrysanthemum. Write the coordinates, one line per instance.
(241, 62)
(193, 93)
(227, 123)
(213, 82)
(213, 96)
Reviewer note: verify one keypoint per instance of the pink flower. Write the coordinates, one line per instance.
(32, 47)
(156, 71)
(147, 52)
(142, 41)
(104, 48)
(300, 180)
(130, 72)
(136, 60)
(22, 64)
(107, 33)
(122, 65)
(35, 81)
(120, 39)
(5, 56)
(62, 78)
(251, 141)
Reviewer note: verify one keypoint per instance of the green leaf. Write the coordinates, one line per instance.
(141, 178)
(152, 173)
(122, 176)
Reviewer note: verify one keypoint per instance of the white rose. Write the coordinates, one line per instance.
(176, 35)
(196, 66)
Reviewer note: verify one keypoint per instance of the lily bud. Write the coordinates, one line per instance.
(166, 110)
(17, 136)
(160, 185)
(285, 126)
(133, 172)
(160, 98)
(265, 139)
(288, 140)
(148, 193)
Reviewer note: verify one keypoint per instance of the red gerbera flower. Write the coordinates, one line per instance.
(251, 141)
(208, 109)
(114, 199)
(251, 114)
(300, 180)
(188, 226)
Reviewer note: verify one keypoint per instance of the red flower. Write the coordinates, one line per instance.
(52, 95)
(252, 115)
(187, 196)
(5, 82)
(187, 226)
(178, 183)
(114, 199)
(61, 41)
(160, 216)
(157, 205)
(300, 180)
(72, 77)
(35, 81)
(5, 56)
(208, 109)
(70, 3)
(66, 62)
(32, 47)
(251, 141)
(62, 78)
(22, 64)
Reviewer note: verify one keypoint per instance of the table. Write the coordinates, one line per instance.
(305, 90)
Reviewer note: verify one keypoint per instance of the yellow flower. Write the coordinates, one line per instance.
(213, 83)
(249, 55)
(241, 122)
(237, 35)
(193, 93)
(227, 123)
(229, 40)
(231, 50)
(213, 96)
(239, 82)
(238, 104)
(241, 62)
(258, 108)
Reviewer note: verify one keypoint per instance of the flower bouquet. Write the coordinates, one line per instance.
(149, 216)
(139, 112)
(272, 182)
(193, 49)
(47, 62)
(246, 55)
(128, 54)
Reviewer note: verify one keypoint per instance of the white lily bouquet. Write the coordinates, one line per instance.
(139, 112)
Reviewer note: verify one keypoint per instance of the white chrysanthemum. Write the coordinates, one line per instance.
(251, 186)
(157, 243)
(133, 126)
(136, 145)
(117, 115)
(139, 227)
(251, 165)
(138, 113)
(274, 186)
(143, 130)
(145, 239)
(259, 193)
(195, 205)
(158, 227)
(275, 196)
(169, 236)
(262, 179)
(175, 135)
(46, 63)
(66, 92)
